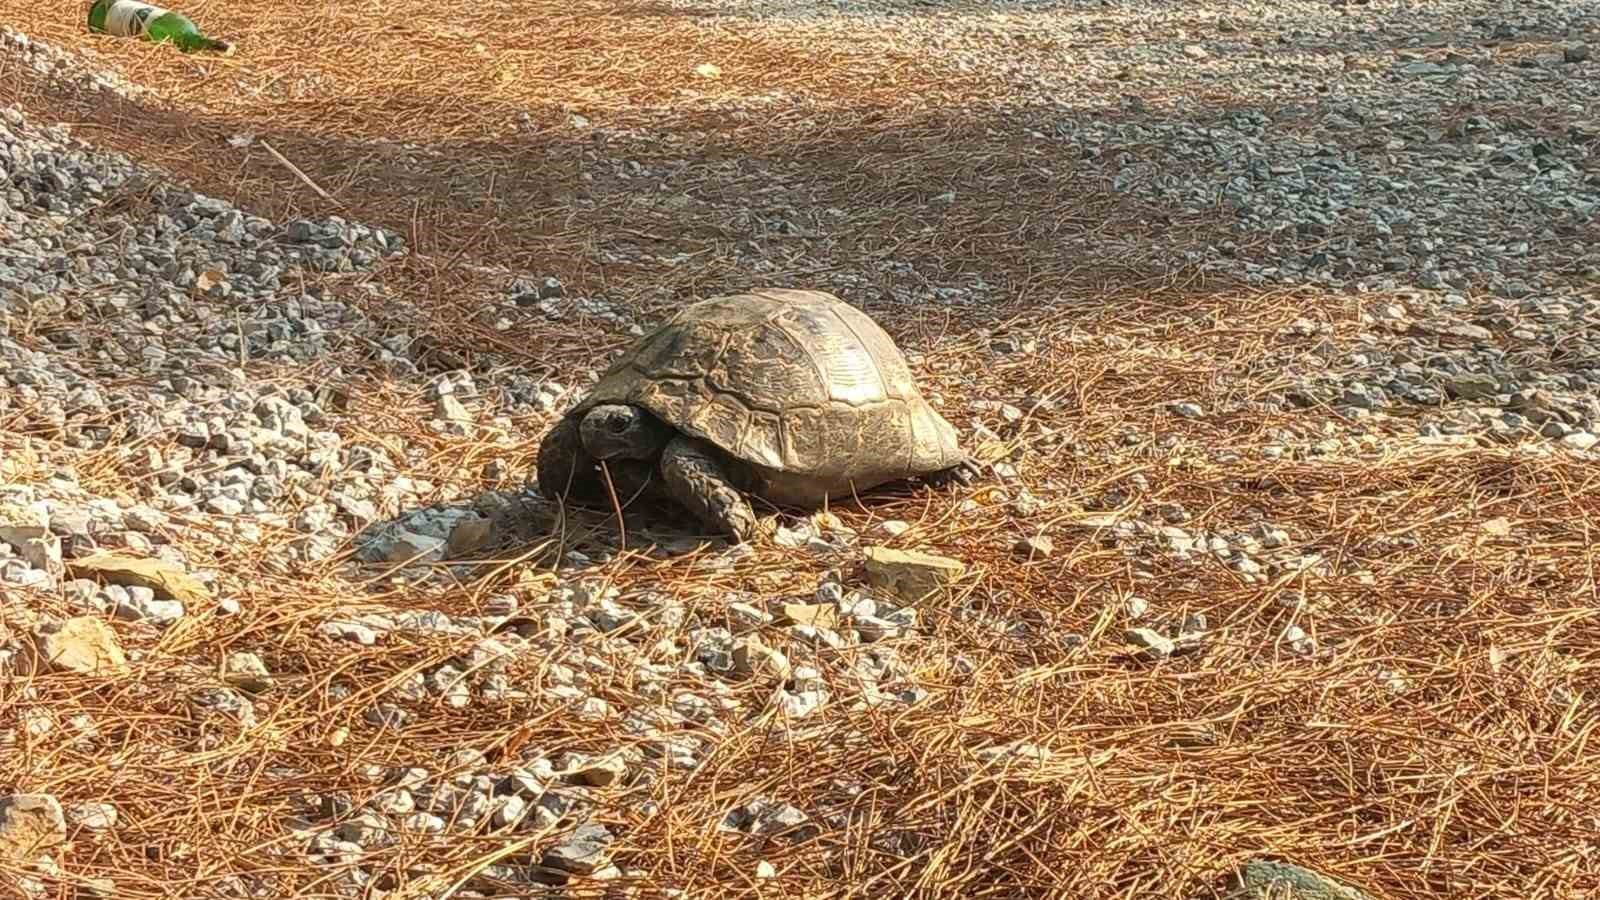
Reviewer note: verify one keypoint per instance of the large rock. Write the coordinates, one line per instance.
(93, 816)
(43, 553)
(1152, 645)
(911, 575)
(585, 851)
(821, 615)
(247, 672)
(84, 644)
(596, 771)
(22, 522)
(752, 657)
(1264, 879)
(168, 580)
(428, 535)
(1471, 386)
(30, 823)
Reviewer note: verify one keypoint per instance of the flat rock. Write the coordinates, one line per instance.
(1580, 440)
(821, 615)
(30, 823)
(1471, 386)
(83, 644)
(1095, 521)
(451, 409)
(784, 819)
(141, 605)
(509, 810)
(247, 672)
(910, 574)
(1270, 880)
(799, 704)
(1447, 328)
(584, 852)
(344, 630)
(21, 522)
(595, 771)
(408, 546)
(872, 628)
(42, 553)
(751, 657)
(1021, 751)
(93, 816)
(1152, 644)
(168, 580)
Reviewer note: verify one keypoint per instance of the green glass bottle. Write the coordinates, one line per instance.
(134, 18)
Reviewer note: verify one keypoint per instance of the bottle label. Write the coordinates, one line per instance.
(129, 18)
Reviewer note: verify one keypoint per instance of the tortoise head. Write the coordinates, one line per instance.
(620, 431)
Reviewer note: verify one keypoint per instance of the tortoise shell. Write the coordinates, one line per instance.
(799, 384)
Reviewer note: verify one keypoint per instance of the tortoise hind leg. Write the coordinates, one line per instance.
(963, 473)
(565, 469)
(697, 479)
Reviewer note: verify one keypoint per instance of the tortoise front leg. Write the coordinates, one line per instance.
(697, 479)
(565, 469)
(634, 480)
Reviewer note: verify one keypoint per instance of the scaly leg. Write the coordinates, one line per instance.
(696, 477)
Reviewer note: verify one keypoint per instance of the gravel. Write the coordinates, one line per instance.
(1441, 159)
(1453, 190)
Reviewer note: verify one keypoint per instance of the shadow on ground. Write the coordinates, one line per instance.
(892, 209)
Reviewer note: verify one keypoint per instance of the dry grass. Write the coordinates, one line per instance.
(1477, 780)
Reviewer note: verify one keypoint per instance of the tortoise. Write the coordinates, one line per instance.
(791, 396)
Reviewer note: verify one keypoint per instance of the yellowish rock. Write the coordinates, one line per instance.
(247, 672)
(169, 581)
(30, 823)
(752, 657)
(83, 644)
(596, 771)
(22, 522)
(911, 575)
(822, 615)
